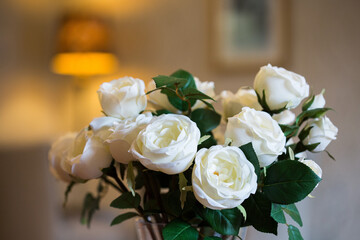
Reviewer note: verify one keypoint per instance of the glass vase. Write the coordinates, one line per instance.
(152, 231)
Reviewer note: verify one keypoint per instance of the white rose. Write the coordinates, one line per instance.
(168, 144)
(207, 88)
(58, 153)
(89, 154)
(123, 98)
(222, 177)
(124, 133)
(160, 101)
(313, 165)
(319, 101)
(101, 126)
(233, 103)
(323, 131)
(259, 128)
(286, 117)
(282, 87)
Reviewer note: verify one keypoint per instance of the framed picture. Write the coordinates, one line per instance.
(246, 34)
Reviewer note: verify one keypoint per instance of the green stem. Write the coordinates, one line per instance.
(155, 189)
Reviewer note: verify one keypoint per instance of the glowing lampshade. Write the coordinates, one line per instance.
(83, 47)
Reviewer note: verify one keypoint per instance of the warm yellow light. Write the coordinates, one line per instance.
(84, 64)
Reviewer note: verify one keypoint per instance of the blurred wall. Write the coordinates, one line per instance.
(158, 38)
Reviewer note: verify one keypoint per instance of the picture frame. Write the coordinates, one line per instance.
(247, 34)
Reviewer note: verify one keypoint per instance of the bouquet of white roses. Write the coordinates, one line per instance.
(166, 155)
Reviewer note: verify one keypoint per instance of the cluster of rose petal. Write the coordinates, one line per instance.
(222, 176)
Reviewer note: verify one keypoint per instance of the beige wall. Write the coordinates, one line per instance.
(36, 106)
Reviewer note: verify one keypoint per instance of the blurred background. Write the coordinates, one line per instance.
(55, 54)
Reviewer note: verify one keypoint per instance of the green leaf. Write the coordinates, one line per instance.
(203, 139)
(123, 217)
(126, 200)
(130, 178)
(289, 130)
(227, 221)
(68, 190)
(190, 83)
(250, 154)
(308, 103)
(193, 93)
(289, 181)
(311, 147)
(212, 238)
(122, 170)
(208, 142)
(209, 105)
(90, 205)
(179, 230)
(293, 212)
(243, 211)
(180, 80)
(313, 113)
(291, 153)
(167, 81)
(294, 233)
(300, 147)
(183, 192)
(259, 209)
(161, 111)
(304, 133)
(277, 213)
(330, 156)
(205, 119)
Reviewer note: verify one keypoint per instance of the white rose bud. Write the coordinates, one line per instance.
(123, 134)
(323, 131)
(261, 130)
(233, 103)
(282, 87)
(286, 117)
(89, 154)
(314, 166)
(123, 98)
(58, 153)
(160, 101)
(319, 101)
(222, 177)
(168, 144)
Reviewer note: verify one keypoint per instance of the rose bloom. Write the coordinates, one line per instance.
(319, 101)
(123, 134)
(222, 177)
(168, 144)
(123, 98)
(323, 131)
(286, 117)
(233, 103)
(282, 87)
(89, 154)
(261, 130)
(58, 153)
